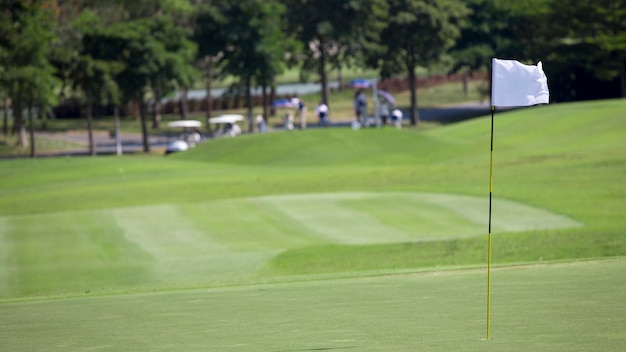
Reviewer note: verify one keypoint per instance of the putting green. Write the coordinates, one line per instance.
(226, 240)
(571, 307)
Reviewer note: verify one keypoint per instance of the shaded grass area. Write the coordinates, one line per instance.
(507, 249)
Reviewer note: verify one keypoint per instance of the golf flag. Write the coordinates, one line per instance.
(516, 84)
(512, 84)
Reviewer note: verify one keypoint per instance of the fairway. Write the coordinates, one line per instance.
(560, 307)
(327, 239)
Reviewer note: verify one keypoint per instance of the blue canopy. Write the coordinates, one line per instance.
(282, 103)
(360, 83)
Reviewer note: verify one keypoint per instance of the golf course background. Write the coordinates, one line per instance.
(363, 240)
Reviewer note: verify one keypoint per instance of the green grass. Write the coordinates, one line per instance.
(326, 238)
(563, 307)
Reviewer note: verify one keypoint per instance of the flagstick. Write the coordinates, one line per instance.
(489, 237)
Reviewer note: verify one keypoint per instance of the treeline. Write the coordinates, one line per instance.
(116, 52)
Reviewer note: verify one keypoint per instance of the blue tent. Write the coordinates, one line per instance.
(282, 103)
(360, 83)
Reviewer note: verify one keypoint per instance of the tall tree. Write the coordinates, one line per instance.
(91, 79)
(156, 55)
(255, 45)
(210, 33)
(329, 28)
(418, 34)
(592, 33)
(26, 75)
(486, 28)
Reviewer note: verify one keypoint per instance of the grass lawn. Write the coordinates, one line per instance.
(558, 307)
(326, 239)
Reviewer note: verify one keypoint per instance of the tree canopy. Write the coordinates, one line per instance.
(114, 52)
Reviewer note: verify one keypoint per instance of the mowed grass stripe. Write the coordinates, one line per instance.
(8, 267)
(230, 240)
(180, 251)
(72, 252)
(561, 307)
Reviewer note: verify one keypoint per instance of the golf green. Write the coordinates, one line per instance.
(187, 244)
(572, 307)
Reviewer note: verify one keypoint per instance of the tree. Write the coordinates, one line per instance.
(26, 75)
(330, 29)
(482, 34)
(209, 34)
(92, 80)
(156, 55)
(255, 45)
(418, 34)
(597, 30)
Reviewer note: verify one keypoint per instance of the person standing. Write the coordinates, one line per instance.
(322, 113)
(300, 111)
(384, 111)
(360, 106)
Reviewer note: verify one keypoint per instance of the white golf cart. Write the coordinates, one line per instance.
(226, 125)
(189, 137)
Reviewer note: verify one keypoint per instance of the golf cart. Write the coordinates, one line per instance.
(226, 125)
(189, 138)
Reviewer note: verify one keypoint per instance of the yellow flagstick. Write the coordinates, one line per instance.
(489, 237)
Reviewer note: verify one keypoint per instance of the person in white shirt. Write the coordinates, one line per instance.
(396, 116)
(322, 113)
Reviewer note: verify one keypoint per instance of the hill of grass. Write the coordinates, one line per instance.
(318, 201)
(325, 239)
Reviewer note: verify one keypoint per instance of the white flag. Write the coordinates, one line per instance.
(516, 84)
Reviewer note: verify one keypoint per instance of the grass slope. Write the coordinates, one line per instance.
(316, 202)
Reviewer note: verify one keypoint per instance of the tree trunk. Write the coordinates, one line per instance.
(272, 98)
(322, 74)
(249, 105)
(144, 123)
(414, 112)
(265, 104)
(184, 104)
(208, 85)
(92, 144)
(31, 128)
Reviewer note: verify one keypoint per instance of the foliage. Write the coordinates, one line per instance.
(484, 33)
(334, 31)
(597, 29)
(25, 73)
(418, 34)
